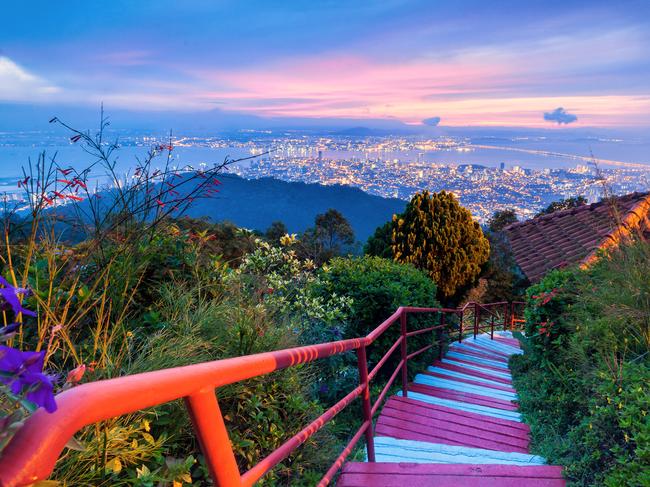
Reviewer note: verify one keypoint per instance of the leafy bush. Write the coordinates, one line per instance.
(546, 325)
(583, 383)
(377, 288)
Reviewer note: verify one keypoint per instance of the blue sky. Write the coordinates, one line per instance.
(467, 62)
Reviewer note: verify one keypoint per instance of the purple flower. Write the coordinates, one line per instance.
(23, 373)
(10, 295)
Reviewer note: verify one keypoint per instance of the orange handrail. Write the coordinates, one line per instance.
(32, 453)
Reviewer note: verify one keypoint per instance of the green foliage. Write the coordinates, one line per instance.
(439, 236)
(547, 326)
(377, 287)
(380, 243)
(332, 235)
(501, 219)
(276, 231)
(563, 204)
(583, 383)
(503, 278)
(145, 291)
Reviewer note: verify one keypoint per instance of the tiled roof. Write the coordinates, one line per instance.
(575, 235)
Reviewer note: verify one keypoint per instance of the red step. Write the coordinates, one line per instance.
(479, 355)
(407, 424)
(487, 350)
(468, 381)
(475, 373)
(444, 475)
(513, 342)
(507, 426)
(478, 364)
(463, 397)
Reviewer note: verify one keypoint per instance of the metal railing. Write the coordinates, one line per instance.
(32, 453)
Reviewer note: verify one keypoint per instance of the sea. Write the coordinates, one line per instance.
(17, 149)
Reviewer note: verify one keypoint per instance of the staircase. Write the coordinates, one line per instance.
(457, 426)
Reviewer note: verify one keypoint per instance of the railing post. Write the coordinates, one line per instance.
(512, 316)
(477, 318)
(440, 334)
(213, 437)
(402, 321)
(365, 401)
(460, 327)
(492, 327)
(505, 316)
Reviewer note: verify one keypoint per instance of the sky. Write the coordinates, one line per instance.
(553, 64)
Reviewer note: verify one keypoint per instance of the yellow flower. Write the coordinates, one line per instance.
(288, 240)
(129, 334)
(627, 438)
(590, 426)
(609, 401)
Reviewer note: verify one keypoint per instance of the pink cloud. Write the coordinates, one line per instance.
(466, 90)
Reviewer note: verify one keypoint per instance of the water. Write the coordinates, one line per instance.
(534, 153)
(551, 154)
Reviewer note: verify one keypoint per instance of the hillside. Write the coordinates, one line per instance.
(255, 204)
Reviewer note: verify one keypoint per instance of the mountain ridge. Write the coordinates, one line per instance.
(256, 203)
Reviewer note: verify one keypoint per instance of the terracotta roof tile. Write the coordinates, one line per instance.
(574, 236)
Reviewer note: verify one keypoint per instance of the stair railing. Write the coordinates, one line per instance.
(515, 322)
(33, 451)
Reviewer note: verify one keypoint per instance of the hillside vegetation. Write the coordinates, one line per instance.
(145, 288)
(257, 203)
(584, 380)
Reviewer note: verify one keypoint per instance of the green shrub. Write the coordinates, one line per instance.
(583, 383)
(547, 302)
(377, 287)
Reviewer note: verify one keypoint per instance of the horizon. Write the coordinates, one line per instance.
(397, 65)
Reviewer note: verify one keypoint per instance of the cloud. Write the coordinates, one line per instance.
(18, 84)
(560, 115)
(433, 121)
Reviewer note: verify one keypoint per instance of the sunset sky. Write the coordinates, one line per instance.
(467, 62)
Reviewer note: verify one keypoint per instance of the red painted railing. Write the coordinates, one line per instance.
(34, 450)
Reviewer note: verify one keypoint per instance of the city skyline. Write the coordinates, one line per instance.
(401, 63)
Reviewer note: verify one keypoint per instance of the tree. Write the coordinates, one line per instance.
(501, 219)
(276, 230)
(333, 230)
(563, 204)
(439, 236)
(331, 236)
(504, 280)
(380, 243)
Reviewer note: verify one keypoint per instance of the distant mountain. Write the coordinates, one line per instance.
(373, 132)
(31, 117)
(256, 203)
